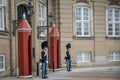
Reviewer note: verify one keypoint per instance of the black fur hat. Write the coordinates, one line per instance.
(68, 46)
(44, 44)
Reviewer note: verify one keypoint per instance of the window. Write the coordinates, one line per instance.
(42, 19)
(2, 27)
(113, 22)
(114, 56)
(83, 57)
(2, 62)
(82, 21)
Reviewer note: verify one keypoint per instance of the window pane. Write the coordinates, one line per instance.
(85, 14)
(1, 19)
(39, 11)
(117, 56)
(1, 65)
(1, 59)
(43, 12)
(78, 14)
(86, 28)
(1, 2)
(117, 15)
(111, 56)
(42, 33)
(110, 15)
(79, 57)
(117, 29)
(1, 15)
(86, 57)
(78, 28)
(42, 22)
(110, 29)
(2, 62)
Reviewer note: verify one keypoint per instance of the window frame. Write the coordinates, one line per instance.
(83, 57)
(3, 16)
(90, 20)
(42, 32)
(114, 55)
(3, 63)
(113, 8)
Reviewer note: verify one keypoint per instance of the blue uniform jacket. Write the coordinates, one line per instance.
(68, 55)
(43, 56)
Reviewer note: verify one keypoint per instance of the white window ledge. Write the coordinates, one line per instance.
(83, 37)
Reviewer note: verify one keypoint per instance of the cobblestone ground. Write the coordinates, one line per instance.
(96, 73)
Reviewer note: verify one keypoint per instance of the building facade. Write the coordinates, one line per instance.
(91, 26)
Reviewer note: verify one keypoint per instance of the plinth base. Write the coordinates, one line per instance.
(29, 76)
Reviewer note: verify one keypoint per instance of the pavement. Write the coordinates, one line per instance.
(88, 73)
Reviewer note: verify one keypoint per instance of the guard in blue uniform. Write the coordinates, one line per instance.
(68, 57)
(44, 46)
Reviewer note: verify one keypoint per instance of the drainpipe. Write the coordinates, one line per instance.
(10, 36)
(59, 29)
(48, 33)
(93, 30)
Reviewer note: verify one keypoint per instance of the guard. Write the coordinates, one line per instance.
(68, 57)
(44, 46)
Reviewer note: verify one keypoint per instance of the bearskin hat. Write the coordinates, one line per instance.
(68, 46)
(44, 44)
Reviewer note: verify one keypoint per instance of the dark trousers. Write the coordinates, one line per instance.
(68, 64)
(44, 70)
